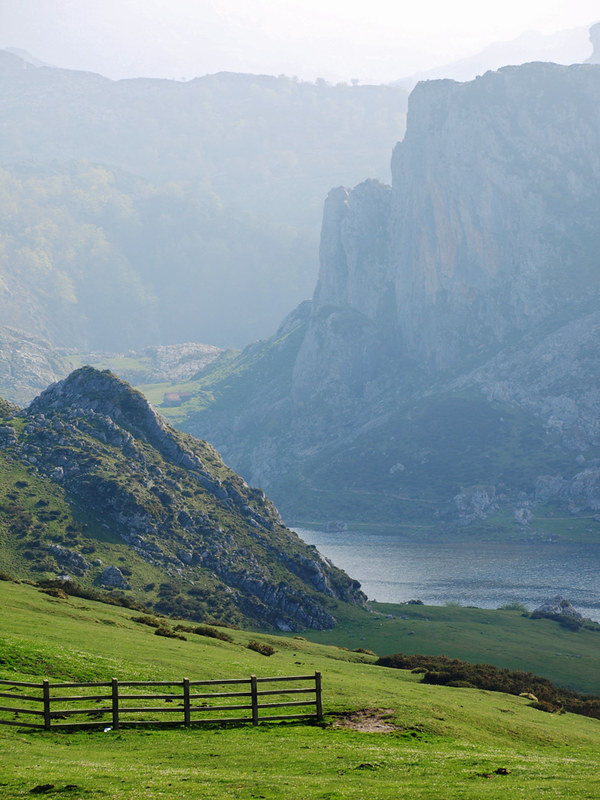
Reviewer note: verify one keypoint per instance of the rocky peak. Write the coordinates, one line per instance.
(101, 391)
(171, 499)
(595, 40)
(354, 248)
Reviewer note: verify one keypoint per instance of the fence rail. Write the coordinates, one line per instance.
(113, 707)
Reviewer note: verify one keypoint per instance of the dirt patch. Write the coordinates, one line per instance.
(368, 720)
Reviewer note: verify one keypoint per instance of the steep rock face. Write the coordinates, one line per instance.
(595, 40)
(493, 210)
(489, 230)
(350, 335)
(28, 364)
(494, 206)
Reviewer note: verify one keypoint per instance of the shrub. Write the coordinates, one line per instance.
(152, 622)
(261, 647)
(443, 671)
(205, 630)
(169, 634)
(56, 593)
(74, 589)
(514, 606)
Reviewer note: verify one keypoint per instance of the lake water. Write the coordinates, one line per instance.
(484, 574)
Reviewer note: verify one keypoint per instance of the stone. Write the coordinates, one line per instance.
(558, 606)
(114, 578)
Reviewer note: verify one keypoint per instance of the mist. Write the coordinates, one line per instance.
(332, 40)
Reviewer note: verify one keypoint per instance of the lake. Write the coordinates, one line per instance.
(392, 569)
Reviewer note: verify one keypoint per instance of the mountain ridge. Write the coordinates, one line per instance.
(485, 245)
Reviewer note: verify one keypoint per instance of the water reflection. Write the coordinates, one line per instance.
(484, 574)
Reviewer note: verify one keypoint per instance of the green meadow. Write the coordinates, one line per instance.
(442, 742)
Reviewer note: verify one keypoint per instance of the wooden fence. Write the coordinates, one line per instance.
(183, 703)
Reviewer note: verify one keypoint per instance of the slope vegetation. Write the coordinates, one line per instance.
(439, 741)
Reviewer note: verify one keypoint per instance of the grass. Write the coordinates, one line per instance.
(503, 638)
(448, 743)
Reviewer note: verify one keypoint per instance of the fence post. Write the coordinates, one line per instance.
(254, 694)
(115, 703)
(186, 702)
(46, 696)
(318, 698)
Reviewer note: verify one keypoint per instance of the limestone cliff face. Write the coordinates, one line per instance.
(595, 40)
(28, 364)
(489, 228)
(494, 207)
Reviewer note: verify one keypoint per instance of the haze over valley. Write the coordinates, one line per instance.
(300, 376)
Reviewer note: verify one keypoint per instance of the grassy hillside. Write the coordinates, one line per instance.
(503, 638)
(444, 742)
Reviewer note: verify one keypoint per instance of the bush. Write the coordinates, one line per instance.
(205, 630)
(75, 590)
(514, 606)
(443, 671)
(152, 622)
(261, 647)
(169, 634)
(56, 593)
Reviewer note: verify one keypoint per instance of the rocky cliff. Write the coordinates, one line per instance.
(450, 349)
(595, 40)
(490, 224)
(96, 461)
(28, 364)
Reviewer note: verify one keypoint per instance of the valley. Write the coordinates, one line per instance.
(205, 474)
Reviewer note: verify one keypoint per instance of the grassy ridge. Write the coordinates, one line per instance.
(446, 741)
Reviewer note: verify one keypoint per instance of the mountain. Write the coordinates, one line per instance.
(97, 487)
(595, 40)
(189, 210)
(446, 370)
(93, 258)
(563, 47)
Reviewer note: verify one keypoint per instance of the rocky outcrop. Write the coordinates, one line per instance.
(556, 607)
(69, 559)
(113, 578)
(595, 40)
(173, 501)
(28, 364)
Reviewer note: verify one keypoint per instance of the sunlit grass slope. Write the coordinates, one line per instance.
(504, 638)
(448, 743)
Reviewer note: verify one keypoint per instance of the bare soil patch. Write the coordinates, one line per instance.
(368, 720)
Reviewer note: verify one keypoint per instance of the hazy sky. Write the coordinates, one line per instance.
(372, 40)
